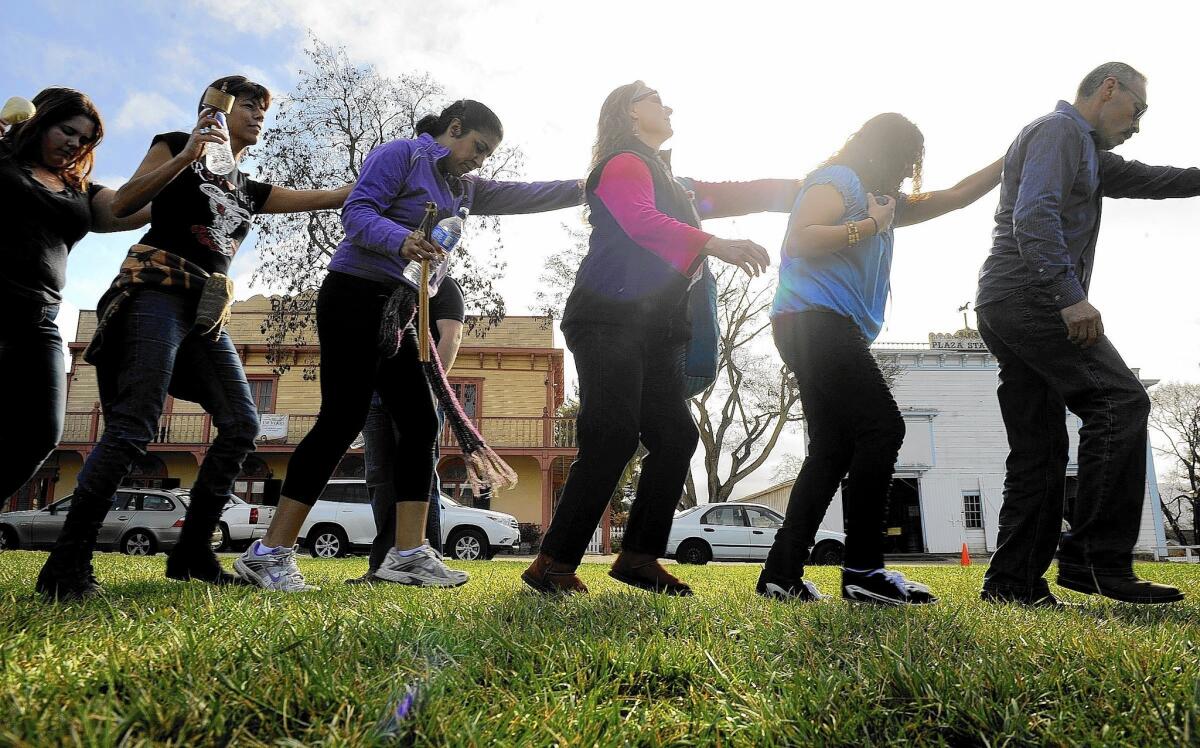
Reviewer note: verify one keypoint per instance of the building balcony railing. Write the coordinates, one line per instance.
(197, 430)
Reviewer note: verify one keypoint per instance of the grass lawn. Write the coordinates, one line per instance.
(156, 662)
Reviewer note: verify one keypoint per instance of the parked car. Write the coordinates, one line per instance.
(737, 531)
(341, 522)
(242, 523)
(141, 522)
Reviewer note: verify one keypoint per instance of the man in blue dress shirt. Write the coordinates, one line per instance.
(1049, 340)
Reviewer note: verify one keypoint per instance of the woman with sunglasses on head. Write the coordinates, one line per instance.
(47, 204)
(160, 330)
(627, 324)
(364, 293)
(834, 280)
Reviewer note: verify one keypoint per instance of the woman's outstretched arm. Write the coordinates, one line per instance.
(933, 204)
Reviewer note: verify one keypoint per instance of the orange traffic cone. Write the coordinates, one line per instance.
(966, 557)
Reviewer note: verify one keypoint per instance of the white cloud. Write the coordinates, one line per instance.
(147, 111)
(760, 91)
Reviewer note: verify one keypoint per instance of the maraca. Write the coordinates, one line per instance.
(15, 110)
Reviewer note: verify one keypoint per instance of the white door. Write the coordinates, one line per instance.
(942, 513)
(763, 526)
(724, 528)
(355, 514)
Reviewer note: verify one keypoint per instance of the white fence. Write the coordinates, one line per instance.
(614, 536)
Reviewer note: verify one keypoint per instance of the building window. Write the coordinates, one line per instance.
(262, 391)
(148, 471)
(972, 510)
(468, 396)
(251, 484)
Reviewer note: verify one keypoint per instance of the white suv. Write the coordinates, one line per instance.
(342, 521)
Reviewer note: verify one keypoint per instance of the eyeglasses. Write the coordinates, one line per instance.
(1140, 105)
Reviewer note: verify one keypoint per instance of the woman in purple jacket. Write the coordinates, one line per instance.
(381, 216)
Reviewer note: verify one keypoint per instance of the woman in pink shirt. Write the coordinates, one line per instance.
(627, 324)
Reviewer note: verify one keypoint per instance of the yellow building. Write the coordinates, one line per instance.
(509, 379)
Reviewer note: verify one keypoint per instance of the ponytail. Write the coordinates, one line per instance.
(472, 114)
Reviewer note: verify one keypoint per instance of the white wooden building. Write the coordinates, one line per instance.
(949, 476)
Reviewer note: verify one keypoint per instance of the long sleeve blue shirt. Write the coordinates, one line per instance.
(1048, 218)
(387, 203)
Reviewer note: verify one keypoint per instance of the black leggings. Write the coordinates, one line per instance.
(855, 431)
(349, 310)
(33, 380)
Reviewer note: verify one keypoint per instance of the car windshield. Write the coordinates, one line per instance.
(686, 512)
(450, 501)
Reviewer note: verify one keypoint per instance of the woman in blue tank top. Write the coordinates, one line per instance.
(833, 286)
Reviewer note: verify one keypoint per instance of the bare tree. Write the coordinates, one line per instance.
(1175, 416)
(324, 128)
(558, 275)
(752, 403)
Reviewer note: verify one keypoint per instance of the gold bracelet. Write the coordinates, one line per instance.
(852, 235)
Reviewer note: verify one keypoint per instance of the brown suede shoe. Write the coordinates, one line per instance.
(549, 577)
(646, 573)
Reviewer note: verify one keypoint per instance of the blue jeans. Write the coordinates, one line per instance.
(382, 436)
(33, 380)
(1042, 374)
(157, 353)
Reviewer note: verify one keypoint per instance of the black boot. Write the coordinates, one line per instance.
(193, 556)
(67, 573)
(1125, 587)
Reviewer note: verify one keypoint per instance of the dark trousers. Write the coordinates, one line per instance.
(381, 436)
(349, 310)
(158, 352)
(630, 389)
(855, 431)
(33, 380)
(1041, 375)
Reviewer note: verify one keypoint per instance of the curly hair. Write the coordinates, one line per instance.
(55, 105)
(614, 131)
(886, 150)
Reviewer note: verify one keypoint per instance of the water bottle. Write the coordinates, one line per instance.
(218, 158)
(446, 235)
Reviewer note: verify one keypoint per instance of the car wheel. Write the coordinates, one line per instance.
(8, 539)
(468, 545)
(327, 542)
(221, 540)
(138, 543)
(827, 553)
(693, 552)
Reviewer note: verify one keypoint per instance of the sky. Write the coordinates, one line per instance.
(759, 89)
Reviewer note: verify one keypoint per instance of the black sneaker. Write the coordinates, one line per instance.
(800, 591)
(883, 587)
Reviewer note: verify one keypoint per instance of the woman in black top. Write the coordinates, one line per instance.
(160, 332)
(47, 204)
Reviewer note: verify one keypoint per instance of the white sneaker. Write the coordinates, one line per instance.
(423, 567)
(272, 570)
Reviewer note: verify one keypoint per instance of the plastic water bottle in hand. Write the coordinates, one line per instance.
(446, 236)
(218, 157)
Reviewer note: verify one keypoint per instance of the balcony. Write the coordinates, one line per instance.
(195, 430)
